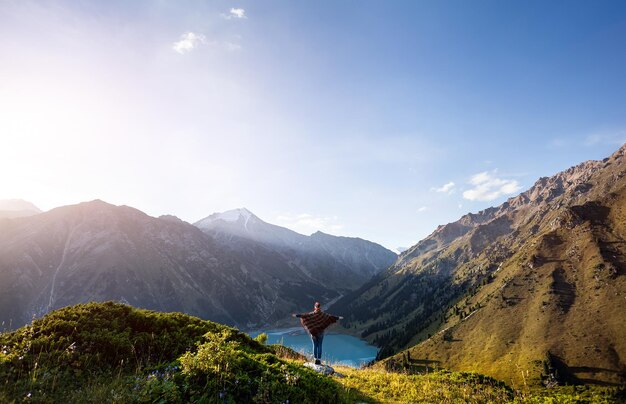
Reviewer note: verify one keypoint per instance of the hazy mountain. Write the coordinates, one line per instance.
(516, 291)
(17, 208)
(339, 263)
(95, 251)
(243, 223)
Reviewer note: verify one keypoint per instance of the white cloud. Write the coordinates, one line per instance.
(446, 188)
(487, 187)
(231, 46)
(237, 13)
(615, 138)
(188, 42)
(422, 209)
(306, 223)
(558, 143)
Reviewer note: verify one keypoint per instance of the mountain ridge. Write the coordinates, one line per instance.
(547, 251)
(349, 261)
(96, 251)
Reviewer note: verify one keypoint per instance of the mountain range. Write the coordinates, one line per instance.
(95, 251)
(532, 289)
(339, 263)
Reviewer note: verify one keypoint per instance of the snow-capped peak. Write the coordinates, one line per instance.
(230, 216)
(233, 215)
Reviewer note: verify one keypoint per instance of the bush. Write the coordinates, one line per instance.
(227, 369)
(261, 338)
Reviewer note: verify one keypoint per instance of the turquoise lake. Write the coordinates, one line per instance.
(337, 348)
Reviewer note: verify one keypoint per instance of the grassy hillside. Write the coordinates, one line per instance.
(109, 352)
(557, 303)
(112, 353)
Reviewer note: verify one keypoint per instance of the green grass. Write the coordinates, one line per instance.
(109, 352)
(376, 385)
(384, 386)
(112, 353)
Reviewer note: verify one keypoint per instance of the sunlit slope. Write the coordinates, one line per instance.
(541, 276)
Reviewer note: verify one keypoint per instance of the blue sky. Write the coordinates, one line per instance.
(373, 119)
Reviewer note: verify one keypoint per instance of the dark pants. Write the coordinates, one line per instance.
(317, 345)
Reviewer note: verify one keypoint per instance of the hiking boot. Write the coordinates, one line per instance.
(317, 362)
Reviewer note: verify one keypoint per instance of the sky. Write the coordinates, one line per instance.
(379, 120)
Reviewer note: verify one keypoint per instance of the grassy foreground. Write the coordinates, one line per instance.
(109, 352)
(381, 386)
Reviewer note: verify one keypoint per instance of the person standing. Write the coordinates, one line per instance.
(315, 322)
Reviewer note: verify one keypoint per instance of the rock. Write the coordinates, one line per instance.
(323, 369)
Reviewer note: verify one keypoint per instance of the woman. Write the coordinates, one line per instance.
(315, 322)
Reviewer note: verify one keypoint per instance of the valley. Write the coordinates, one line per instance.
(531, 292)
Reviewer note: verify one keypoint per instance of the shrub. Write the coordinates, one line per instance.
(261, 338)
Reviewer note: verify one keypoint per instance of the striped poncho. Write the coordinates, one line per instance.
(316, 321)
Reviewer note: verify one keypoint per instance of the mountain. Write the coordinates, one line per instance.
(338, 263)
(531, 290)
(17, 208)
(96, 251)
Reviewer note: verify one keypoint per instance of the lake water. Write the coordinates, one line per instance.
(337, 348)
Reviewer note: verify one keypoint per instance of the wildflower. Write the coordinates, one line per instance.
(28, 395)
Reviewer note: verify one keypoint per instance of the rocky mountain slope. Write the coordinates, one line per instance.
(95, 251)
(527, 291)
(331, 260)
